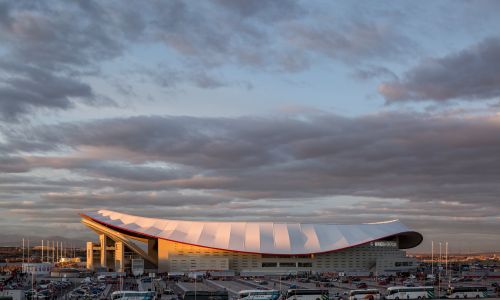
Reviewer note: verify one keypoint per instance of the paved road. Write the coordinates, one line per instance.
(309, 285)
(233, 287)
(253, 286)
(191, 286)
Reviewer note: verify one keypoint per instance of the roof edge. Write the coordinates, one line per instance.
(412, 239)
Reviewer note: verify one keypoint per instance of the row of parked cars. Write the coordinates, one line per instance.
(88, 289)
(47, 289)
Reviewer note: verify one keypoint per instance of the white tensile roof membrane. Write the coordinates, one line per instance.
(260, 237)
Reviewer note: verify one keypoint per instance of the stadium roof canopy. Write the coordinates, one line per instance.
(259, 237)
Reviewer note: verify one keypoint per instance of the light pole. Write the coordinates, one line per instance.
(432, 258)
(280, 285)
(446, 263)
(439, 272)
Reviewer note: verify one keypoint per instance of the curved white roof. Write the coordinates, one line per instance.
(260, 237)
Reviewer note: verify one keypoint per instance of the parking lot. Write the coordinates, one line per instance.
(338, 288)
(233, 286)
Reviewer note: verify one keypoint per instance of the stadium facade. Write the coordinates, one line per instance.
(247, 247)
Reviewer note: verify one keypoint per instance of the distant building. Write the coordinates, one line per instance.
(37, 268)
(259, 247)
(70, 259)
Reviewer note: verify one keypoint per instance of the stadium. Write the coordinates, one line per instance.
(247, 247)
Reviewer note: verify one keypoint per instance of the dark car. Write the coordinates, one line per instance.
(361, 285)
(382, 282)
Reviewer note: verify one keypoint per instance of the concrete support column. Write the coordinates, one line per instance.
(103, 239)
(163, 256)
(119, 257)
(153, 248)
(90, 255)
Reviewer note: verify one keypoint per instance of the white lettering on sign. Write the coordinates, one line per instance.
(384, 244)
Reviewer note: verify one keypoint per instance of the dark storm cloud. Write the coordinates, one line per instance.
(28, 87)
(420, 157)
(10, 164)
(109, 168)
(48, 46)
(471, 74)
(31, 213)
(157, 200)
(57, 35)
(421, 209)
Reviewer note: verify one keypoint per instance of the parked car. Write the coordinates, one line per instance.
(337, 296)
(361, 285)
(409, 283)
(382, 282)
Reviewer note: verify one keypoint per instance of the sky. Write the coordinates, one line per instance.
(309, 111)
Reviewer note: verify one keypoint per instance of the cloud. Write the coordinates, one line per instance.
(57, 51)
(56, 34)
(266, 10)
(420, 157)
(27, 87)
(471, 75)
(353, 43)
(370, 72)
(60, 56)
(10, 164)
(47, 49)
